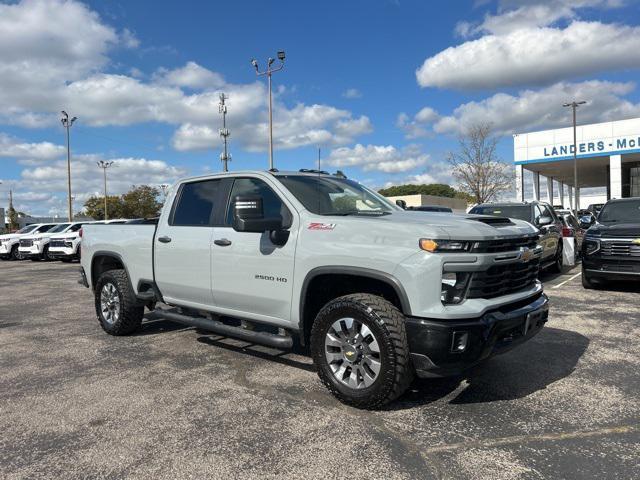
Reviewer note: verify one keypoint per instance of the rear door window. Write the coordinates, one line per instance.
(196, 203)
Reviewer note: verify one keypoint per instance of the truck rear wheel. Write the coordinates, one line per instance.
(116, 304)
(359, 346)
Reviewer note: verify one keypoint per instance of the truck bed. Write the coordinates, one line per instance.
(132, 242)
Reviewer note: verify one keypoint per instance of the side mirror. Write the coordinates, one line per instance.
(402, 204)
(544, 220)
(248, 216)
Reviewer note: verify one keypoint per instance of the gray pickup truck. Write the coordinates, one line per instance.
(377, 294)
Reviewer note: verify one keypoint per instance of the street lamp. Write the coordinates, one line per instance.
(576, 197)
(165, 189)
(104, 165)
(67, 123)
(268, 72)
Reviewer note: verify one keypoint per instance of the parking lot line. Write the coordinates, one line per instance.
(561, 284)
(519, 439)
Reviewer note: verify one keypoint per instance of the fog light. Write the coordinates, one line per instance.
(459, 342)
(454, 287)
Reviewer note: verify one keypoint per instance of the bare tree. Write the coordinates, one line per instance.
(476, 165)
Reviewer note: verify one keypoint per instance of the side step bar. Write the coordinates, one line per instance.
(263, 338)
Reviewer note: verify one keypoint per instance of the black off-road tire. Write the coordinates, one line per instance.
(15, 254)
(387, 324)
(588, 282)
(130, 312)
(45, 254)
(558, 266)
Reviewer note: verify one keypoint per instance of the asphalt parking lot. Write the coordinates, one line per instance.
(175, 402)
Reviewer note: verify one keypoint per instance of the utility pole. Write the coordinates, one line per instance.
(67, 123)
(576, 196)
(104, 165)
(225, 157)
(268, 72)
(319, 159)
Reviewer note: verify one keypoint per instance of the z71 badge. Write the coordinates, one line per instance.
(321, 226)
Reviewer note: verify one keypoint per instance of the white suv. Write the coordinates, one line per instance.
(9, 243)
(35, 246)
(66, 246)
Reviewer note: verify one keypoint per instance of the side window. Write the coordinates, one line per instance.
(547, 212)
(537, 212)
(75, 228)
(195, 204)
(272, 205)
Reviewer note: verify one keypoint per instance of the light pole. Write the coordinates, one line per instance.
(67, 123)
(576, 197)
(104, 165)
(165, 188)
(268, 72)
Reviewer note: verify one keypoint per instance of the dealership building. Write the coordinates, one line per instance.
(608, 163)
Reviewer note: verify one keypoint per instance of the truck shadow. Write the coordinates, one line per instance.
(550, 357)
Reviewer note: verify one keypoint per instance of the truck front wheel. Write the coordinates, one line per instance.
(116, 305)
(360, 348)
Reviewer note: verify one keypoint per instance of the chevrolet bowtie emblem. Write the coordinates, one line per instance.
(636, 241)
(348, 354)
(526, 254)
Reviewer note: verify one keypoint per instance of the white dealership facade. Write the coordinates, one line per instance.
(608, 156)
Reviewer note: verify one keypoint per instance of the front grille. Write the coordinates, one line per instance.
(504, 279)
(505, 245)
(621, 248)
(26, 243)
(57, 243)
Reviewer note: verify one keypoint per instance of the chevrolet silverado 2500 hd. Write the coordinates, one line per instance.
(379, 294)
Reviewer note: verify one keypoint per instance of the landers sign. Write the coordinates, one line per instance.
(594, 146)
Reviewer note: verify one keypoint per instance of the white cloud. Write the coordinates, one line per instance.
(382, 158)
(191, 75)
(352, 93)
(27, 152)
(54, 55)
(542, 109)
(415, 128)
(533, 56)
(42, 189)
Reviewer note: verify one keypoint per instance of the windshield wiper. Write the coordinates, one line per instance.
(377, 213)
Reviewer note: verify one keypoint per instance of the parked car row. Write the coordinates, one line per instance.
(46, 241)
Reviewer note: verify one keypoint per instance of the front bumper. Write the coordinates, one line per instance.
(62, 253)
(435, 344)
(29, 252)
(612, 267)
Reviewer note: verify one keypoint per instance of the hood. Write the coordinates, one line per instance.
(612, 230)
(11, 236)
(444, 226)
(40, 235)
(61, 236)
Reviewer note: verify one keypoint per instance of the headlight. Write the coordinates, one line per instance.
(454, 287)
(591, 245)
(444, 245)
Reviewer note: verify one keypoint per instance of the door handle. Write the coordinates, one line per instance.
(164, 239)
(222, 242)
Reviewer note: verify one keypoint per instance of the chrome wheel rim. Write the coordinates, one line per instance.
(110, 303)
(353, 353)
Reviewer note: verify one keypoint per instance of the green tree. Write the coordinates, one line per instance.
(13, 218)
(94, 207)
(437, 189)
(141, 202)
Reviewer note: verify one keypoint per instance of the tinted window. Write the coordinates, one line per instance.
(59, 228)
(521, 212)
(271, 204)
(44, 228)
(621, 212)
(195, 203)
(27, 229)
(75, 228)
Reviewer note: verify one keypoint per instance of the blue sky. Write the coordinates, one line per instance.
(383, 87)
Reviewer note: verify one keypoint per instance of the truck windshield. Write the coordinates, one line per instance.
(621, 212)
(521, 212)
(325, 195)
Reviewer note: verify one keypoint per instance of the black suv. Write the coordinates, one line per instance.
(611, 248)
(539, 214)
